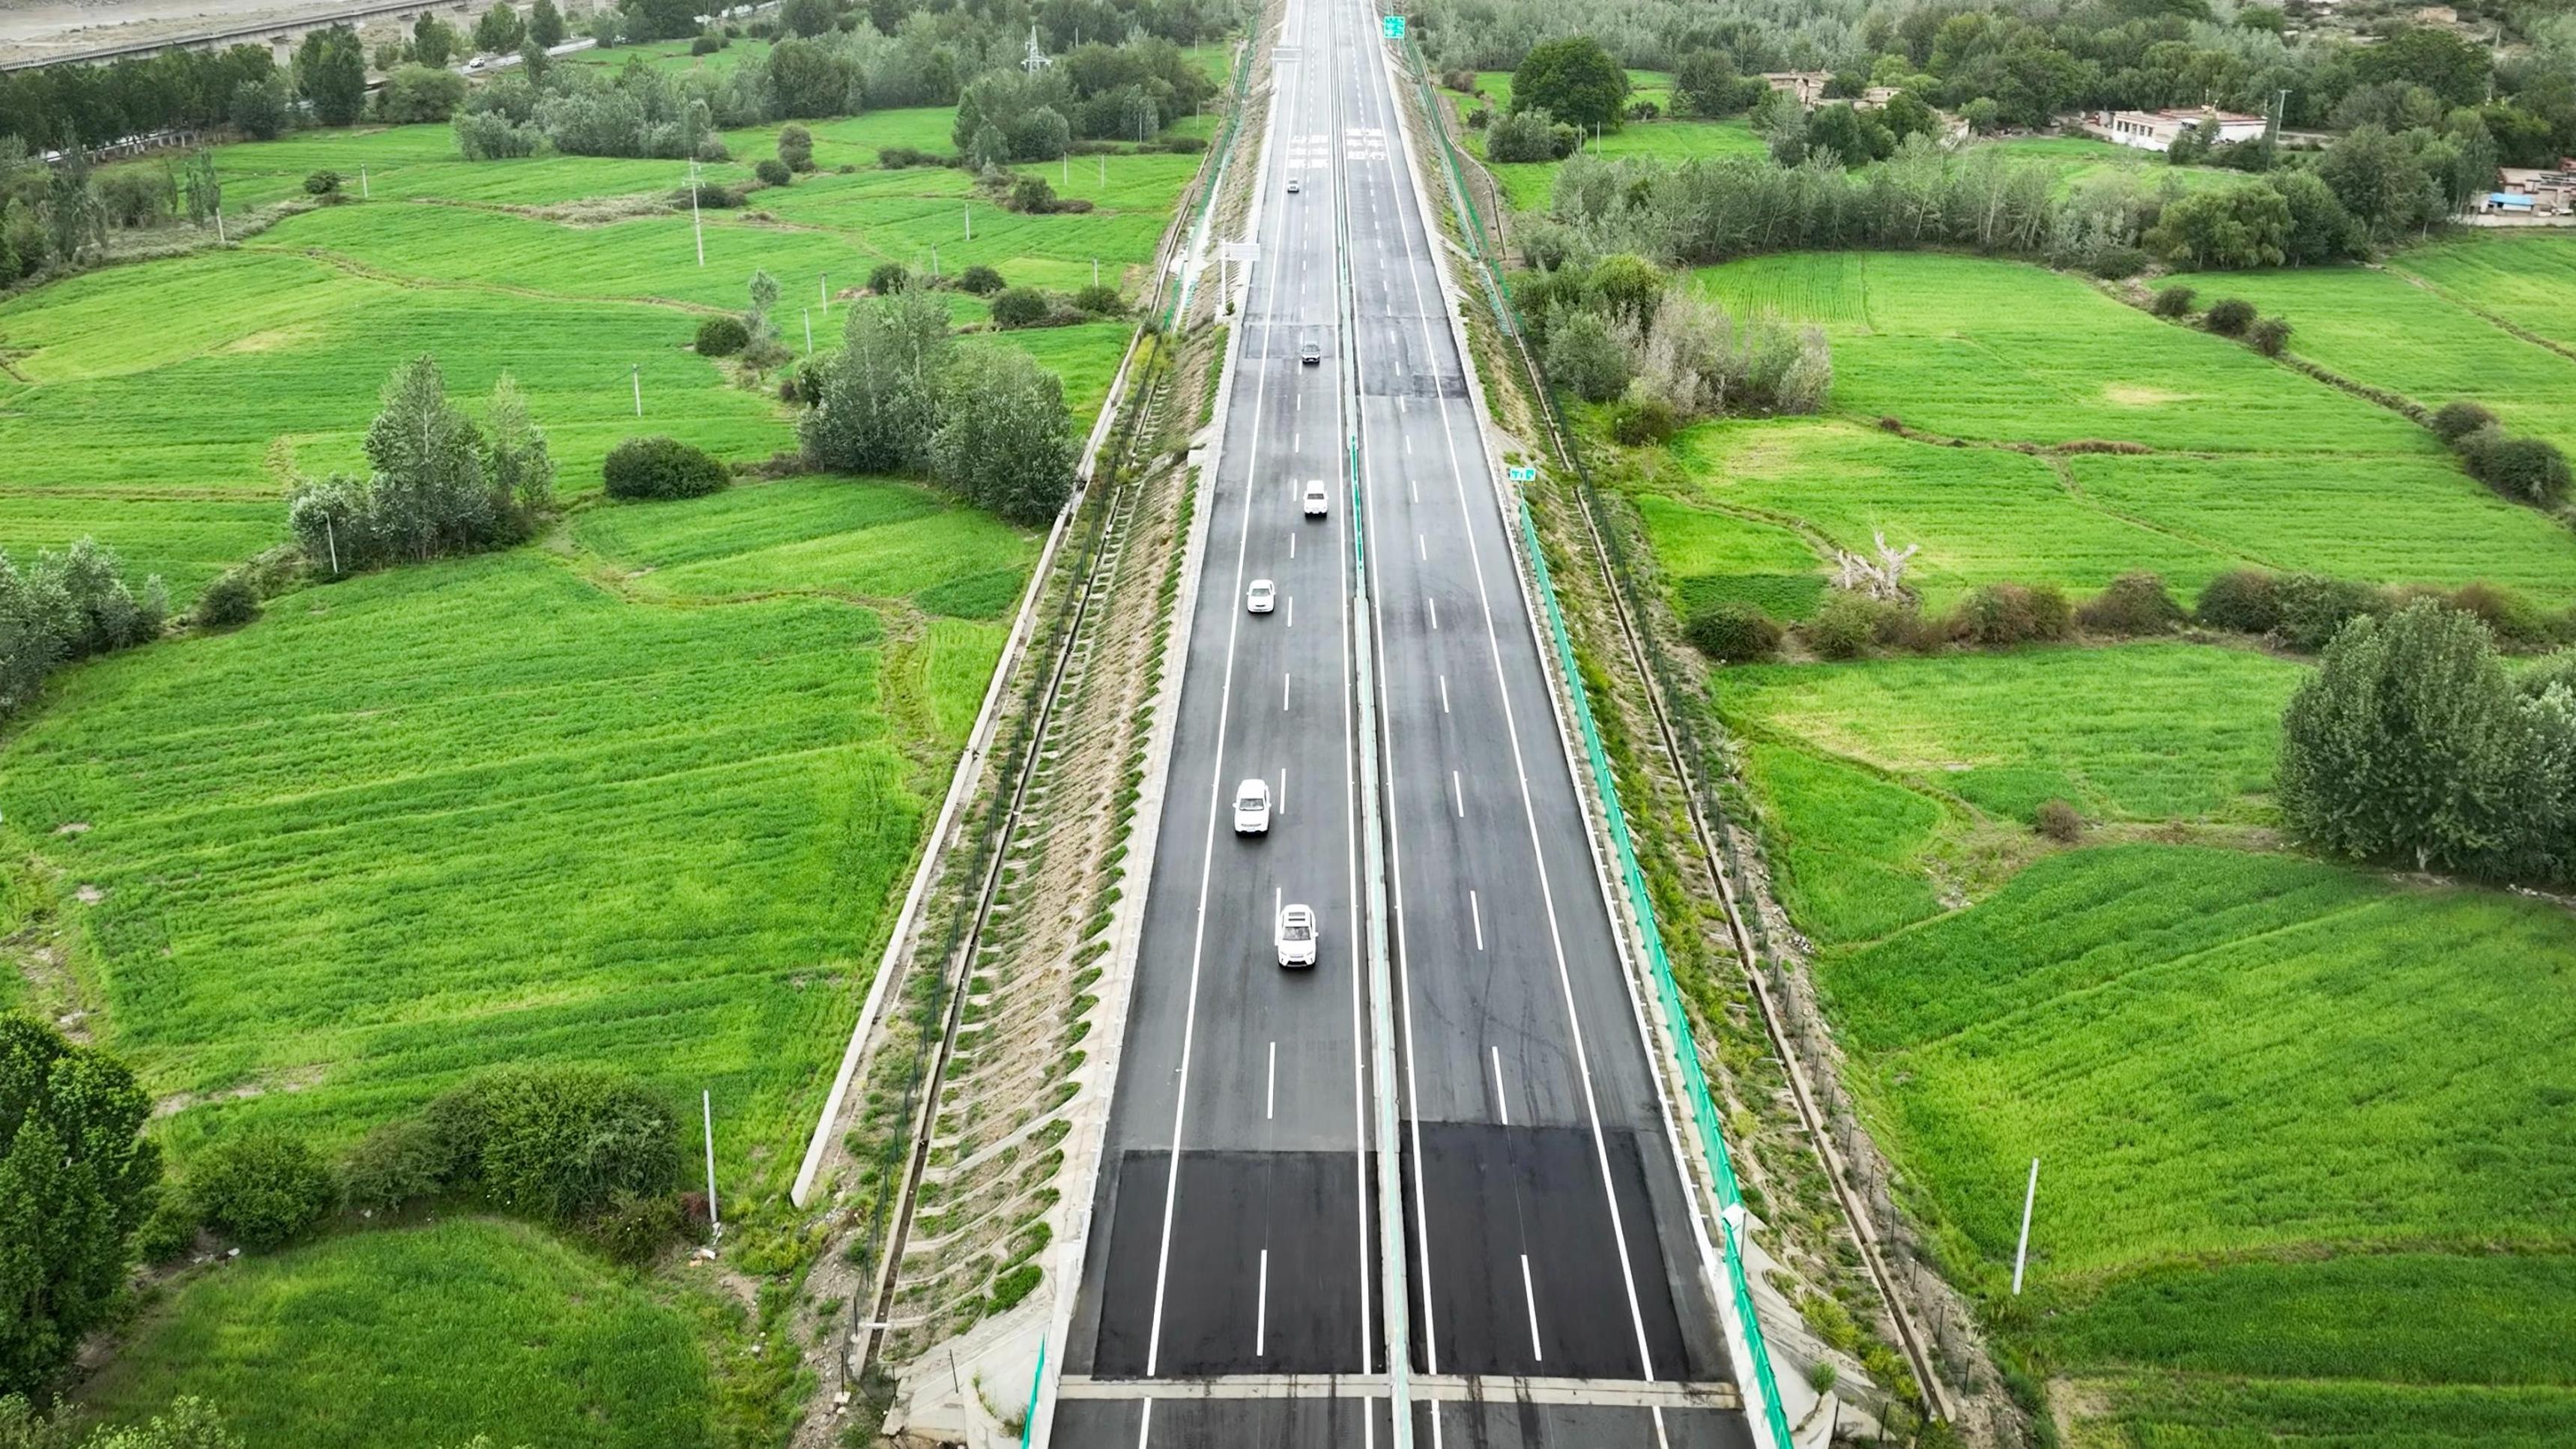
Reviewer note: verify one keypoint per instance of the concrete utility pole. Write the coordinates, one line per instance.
(970, 221)
(707, 1104)
(2021, 1254)
(364, 192)
(809, 329)
(636, 375)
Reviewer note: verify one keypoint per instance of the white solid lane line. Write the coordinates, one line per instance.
(1444, 694)
(1477, 913)
(1283, 690)
(1261, 1312)
(1435, 612)
(1458, 794)
(1280, 805)
(1537, 1350)
(1292, 612)
(1502, 1103)
(1270, 1088)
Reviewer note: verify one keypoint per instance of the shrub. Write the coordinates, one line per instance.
(2132, 604)
(772, 172)
(1014, 1285)
(2513, 619)
(167, 1234)
(2525, 470)
(2001, 615)
(556, 1142)
(981, 280)
(1845, 626)
(707, 43)
(398, 1163)
(709, 195)
(2270, 336)
(228, 602)
(2058, 821)
(1101, 301)
(322, 183)
(1642, 422)
(1904, 626)
(660, 467)
(889, 278)
(2241, 600)
(2229, 316)
(722, 336)
(796, 147)
(2315, 608)
(261, 1188)
(1733, 633)
(1019, 307)
(896, 158)
(1032, 195)
(2172, 302)
(635, 1226)
(1584, 359)
(2113, 263)
(2460, 417)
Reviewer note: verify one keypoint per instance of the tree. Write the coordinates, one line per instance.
(436, 485)
(808, 80)
(77, 1177)
(2451, 67)
(878, 404)
(2241, 226)
(1848, 135)
(1907, 114)
(1019, 307)
(796, 147)
(545, 24)
(1585, 359)
(1573, 79)
(2380, 182)
(190, 1423)
(499, 31)
(417, 93)
(2320, 229)
(660, 19)
(433, 41)
(2406, 744)
(331, 73)
(261, 1187)
(808, 18)
(1706, 85)
(258, 109)
(662, 468)
(1005, 443)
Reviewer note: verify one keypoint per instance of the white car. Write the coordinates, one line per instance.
(1296, 935)
(1292, 186)
(1311, 355)
(1252, 808)
(1261, 598)
(1317, 500)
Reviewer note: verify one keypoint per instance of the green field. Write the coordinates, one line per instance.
(421, 1338)
(1528, 184)
(2303, 1168)
(526, 808)
(2230, 460)
(194, 365)
(2382, 326)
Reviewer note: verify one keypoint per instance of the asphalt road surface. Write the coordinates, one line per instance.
(1232, 1292)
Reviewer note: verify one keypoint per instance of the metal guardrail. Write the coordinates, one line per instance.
(1704, 1113)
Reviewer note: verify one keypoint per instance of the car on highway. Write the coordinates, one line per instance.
(1252, 808)
(1311, 355)
(1296, 935)
(1292, 186)
(1261, 598)
(1317, 500)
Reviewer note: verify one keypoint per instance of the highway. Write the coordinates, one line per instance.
(1232, 1290)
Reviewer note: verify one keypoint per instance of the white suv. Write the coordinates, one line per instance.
(1296, 935)
(1317, 500)
(1252, 808)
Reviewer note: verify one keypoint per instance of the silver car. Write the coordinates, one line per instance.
(1296, 935)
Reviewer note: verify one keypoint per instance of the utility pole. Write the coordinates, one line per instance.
(809, 329)
(823, 284)
(970, 221)
(707, 1104)
(364, 192)
(331, 536)
(2021, 1254)
(695, 229)
(635, 374)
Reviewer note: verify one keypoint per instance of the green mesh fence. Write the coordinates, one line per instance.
(1703, 1107)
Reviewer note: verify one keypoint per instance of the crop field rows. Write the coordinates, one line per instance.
(2298, 1123)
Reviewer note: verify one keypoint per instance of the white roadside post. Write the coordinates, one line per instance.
(2021, 1254)
(707, 1105)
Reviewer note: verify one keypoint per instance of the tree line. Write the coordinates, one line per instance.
(65, 607)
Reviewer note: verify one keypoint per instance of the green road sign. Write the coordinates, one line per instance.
(1394, 26)
(1521, 475)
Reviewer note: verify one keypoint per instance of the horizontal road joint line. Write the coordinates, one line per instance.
(1449, 1388)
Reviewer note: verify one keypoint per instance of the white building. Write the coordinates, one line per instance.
(2157, 130)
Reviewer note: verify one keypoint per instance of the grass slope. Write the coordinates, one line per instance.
(418, 1338)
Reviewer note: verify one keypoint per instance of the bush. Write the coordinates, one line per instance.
(796, 147)
(1642, 422)
(2058, 821)
(2513, 619)
(1020, 307)
(707, 43)
(564, 1144)
(261, 1188)
(635, 1227)
(1100, 301)
(397, 1164)
(2525, 470)
(722, 337)
(772, 172)
(981, 280)
(1845, 627)
(2270, 336)
(2172, 302)
(2229, 316)
(1584, 359)
(2241, 600)
(168, 1234)
(2113, 263)
(2460, 417)
(1032, 196)
(1014, 1285)
(889, 278)
(2002, 615)
(228, 602)
(1733, 633)
(709, 195)
(322, 183)
(660, 467)
(2315, 608)
(2132, 604)
(896, 158)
